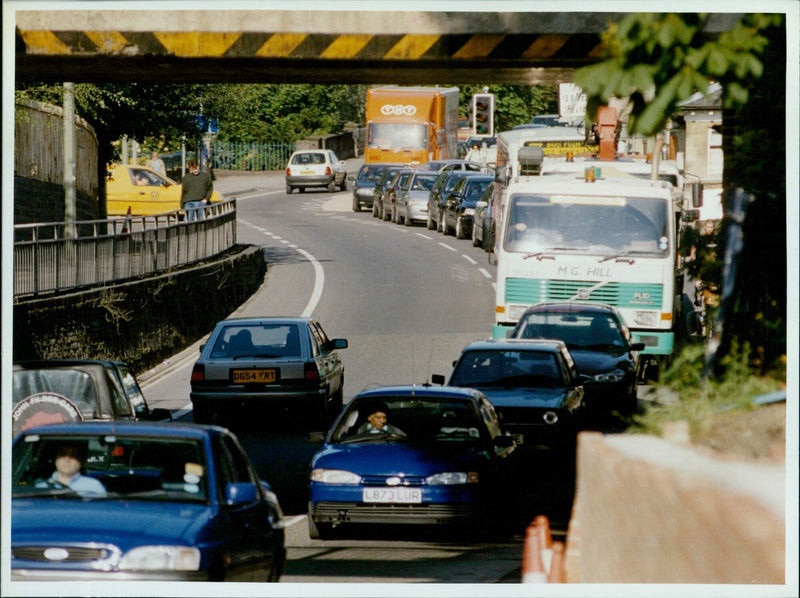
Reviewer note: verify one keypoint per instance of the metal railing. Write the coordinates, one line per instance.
(56, 256)
(250, 156)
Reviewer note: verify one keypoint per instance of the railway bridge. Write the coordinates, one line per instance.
(304, 45)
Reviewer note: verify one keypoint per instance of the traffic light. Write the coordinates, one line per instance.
(483, 114)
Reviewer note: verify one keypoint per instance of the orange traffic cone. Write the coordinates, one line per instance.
(532, 567)
(558, 573)
(542, 525)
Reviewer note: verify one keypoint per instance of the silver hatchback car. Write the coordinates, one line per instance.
(315, 168)
(267, 362)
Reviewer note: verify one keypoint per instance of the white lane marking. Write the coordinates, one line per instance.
(255, 194)
(446, 246)
(485, 272)
(424, 236)
(469, 259)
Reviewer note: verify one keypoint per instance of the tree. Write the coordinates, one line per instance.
(658, 60)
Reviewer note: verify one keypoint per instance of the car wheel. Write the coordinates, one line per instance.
(201, 414)
(386, 216)
(430, 224)
(407, 221)
(356, 205)
(459, 229)
(337, 402)
(332, 186)
(475, 242)
(301, 189)
(442, 223)
(374, 209)
(631, 405)
(318, 530)
(343, 186)
(289, 189)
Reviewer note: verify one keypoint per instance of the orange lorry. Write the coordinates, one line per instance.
(411, 125)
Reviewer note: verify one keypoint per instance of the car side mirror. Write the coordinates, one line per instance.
(203, 346)
(240, 493)
(337, 343)
(437, 379)
(316, 437)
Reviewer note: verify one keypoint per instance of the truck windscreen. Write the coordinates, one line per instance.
(397, 136)
(602, 226)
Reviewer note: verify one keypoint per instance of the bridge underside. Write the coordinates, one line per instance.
(309, 46)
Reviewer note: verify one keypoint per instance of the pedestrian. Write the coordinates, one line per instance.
(157, 164)
(68, 462)
(196, 190)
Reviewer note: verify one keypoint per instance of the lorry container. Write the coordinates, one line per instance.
(411, 125)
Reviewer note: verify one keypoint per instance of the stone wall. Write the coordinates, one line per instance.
(141, 322)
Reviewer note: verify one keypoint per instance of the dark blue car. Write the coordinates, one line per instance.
(459, 205)
(136, 501)
(409, 455)
(533, 384)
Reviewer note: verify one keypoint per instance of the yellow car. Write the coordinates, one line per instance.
(142, 190)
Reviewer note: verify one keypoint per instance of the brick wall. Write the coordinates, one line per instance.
(140, 322)
(636, 522)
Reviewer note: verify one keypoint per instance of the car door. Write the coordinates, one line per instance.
(247, 532)
(328, 360)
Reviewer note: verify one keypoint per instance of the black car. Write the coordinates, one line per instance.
(364, 184)
(533, 385)
(459, 206)
(601, 345)
(483, 220)
(263, 362)
(388, 208)
(439, 192)
(62, 390)
(380, 188)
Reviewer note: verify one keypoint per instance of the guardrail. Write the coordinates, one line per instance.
(56, 256)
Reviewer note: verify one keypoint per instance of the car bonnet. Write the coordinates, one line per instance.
(394, 458)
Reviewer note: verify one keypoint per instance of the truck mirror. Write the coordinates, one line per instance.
(697, 195)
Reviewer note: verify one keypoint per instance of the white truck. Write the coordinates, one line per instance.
(589, 237)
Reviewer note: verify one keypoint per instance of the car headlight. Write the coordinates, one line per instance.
(449, 478)
(646, 318)
(161, 558)
(334, 476)
(550, 417)
(609, 377)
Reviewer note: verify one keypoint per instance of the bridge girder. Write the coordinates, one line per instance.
(310, 46)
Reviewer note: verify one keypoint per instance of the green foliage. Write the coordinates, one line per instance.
(659, 60)
(697, 400)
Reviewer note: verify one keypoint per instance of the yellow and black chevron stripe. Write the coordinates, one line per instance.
(558, 47)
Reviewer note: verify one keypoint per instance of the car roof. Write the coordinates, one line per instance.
(571, 306)
(515, 344)
(419, 390)
(128, 428)
(266, 320)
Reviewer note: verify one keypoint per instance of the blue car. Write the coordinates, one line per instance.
(410, 455)
(533, 384)
(139, 501)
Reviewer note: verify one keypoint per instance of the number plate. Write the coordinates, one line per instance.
(306, 172)
(254, 376)
(392, 495)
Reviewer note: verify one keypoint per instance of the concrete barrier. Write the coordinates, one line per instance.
(651, 511)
